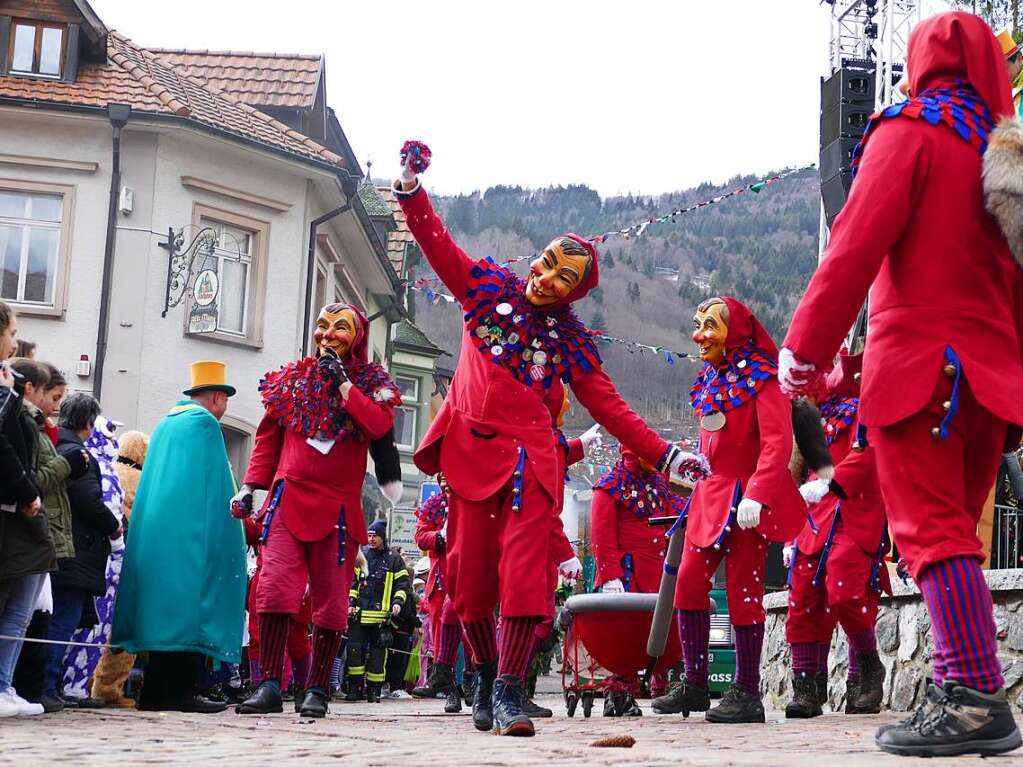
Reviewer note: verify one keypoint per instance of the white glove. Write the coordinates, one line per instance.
(613, 587)
(591, 437)
(241, 504)
(786, 556)
(690, 465)
(793, 374)
(392, 490)
(814, 490)
(748, 513)
(571, 569)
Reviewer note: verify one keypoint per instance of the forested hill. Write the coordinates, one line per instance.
(760, 247)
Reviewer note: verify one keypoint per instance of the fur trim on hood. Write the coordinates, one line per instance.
(1003, 182)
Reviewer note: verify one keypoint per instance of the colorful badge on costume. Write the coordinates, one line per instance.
(642, 493)
(557, 272)
(337, 328)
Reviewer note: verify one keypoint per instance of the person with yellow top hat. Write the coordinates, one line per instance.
(1014, 59)
(182, 593)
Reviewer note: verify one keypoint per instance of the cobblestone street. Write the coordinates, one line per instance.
(416, 733)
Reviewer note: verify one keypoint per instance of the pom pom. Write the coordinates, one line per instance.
(419, 153)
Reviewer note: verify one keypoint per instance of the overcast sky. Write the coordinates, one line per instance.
(644, 96)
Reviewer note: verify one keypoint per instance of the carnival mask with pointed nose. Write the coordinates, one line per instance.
(558, 271)
(710, 331)
(336, 330)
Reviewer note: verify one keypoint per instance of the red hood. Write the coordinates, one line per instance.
(592, 277)
(958, 46)
(743, 326)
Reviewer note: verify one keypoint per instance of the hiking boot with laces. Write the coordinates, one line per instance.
(737, 706)
(955, 720)
(804, 703)
(535, 711)
(870, 689)
(852, 686)
(453, 701)
(440, 682)
(682, 698)
(509, 718)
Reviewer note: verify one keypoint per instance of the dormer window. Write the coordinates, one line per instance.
(36, 48)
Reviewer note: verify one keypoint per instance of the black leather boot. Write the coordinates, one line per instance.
(508, 716)
(871, 688)
(821, 680)
(482, 705)
(852, 689)
(265, 700)
(439, 682)
(299, 697)
(681, 698)
(453, 701)
(804, 703)
(314, 703)
(355, 687)
(373, 692)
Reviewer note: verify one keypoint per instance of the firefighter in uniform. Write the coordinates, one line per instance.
(377, 594)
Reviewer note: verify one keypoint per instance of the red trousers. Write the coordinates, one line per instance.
(745, 555)
(497, 555)
(935, 489)
(289, 564)
(844, 595)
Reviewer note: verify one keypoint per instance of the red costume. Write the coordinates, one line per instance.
(625, 547)
(495, 422)
(942, 370)
(749, 455)
(310, 454)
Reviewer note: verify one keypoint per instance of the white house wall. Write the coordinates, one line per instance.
(148, 356)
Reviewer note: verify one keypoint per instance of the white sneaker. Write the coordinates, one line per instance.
(400, 695)
(21, 706)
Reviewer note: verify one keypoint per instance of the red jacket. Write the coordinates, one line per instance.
(318, 487)
(426, 535)
(863, 517)
(914, 232)
(753, 450)
(487, 414)
(615, 532)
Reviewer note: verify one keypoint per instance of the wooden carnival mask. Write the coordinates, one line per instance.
(337, 330)
(557, 272)
(710, 331)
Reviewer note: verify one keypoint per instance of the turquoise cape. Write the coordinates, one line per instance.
(183, 580)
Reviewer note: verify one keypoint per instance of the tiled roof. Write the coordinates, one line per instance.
(258, 79)
(372, 200)
(410, 334)
(399, 238)
(137, 77)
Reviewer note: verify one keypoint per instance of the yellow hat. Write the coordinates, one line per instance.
(1009, 46)
(209, 375)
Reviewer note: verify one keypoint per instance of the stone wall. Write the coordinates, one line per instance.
(904, 643)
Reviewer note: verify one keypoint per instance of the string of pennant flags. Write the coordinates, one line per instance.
(425, 285)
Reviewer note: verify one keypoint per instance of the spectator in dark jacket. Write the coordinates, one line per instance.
(26, 547)
(80, 578)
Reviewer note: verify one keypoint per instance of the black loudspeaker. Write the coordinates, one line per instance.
(847, 101)
(837, 156)
(834, 190)
(854, 83)
(776, 575)
(844, 121)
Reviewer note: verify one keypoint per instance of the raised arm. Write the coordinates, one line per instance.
(448, 260)
(873, 219)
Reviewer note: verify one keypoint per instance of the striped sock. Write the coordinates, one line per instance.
(481, 639)
(300, 670)
(273, 636)
(325, 645)
(694, 631)
(863, 642)
(518, 640)
(959, 602)
(255, 674)
(335, 674)
(823, 650)
(447, 644)
(749, 643)
(805, 657)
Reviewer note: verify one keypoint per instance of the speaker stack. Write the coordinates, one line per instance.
(847, 101)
